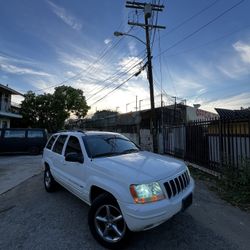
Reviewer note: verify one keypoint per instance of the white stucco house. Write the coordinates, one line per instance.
(8, 110)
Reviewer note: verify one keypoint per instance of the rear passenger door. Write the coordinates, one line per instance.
(58, 159)
(75, 170)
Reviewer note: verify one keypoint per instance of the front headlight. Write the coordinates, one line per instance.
(144, 193)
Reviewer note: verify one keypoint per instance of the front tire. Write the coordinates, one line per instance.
(49, 181)
(106, 222)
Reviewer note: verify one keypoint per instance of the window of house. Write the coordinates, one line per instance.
(4, 124)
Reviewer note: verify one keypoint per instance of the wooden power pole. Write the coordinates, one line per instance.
(148, 8)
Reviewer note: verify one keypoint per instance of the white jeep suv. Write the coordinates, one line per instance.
(127, 189)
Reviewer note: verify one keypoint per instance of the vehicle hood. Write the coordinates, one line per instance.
(141, 167)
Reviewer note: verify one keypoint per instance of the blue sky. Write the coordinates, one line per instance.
(44, 43)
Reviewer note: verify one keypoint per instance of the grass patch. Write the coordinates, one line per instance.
(233, 185)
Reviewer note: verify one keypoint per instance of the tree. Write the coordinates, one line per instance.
(51, 110)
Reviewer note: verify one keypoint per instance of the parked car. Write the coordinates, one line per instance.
(16, 140)
(127, 189)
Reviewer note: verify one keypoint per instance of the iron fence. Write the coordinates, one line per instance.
(210, 143)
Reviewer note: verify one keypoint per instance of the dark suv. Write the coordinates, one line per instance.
(15, 140)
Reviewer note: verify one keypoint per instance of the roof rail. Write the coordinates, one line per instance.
(71, 130)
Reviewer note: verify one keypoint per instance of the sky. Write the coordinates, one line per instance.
(202, 57)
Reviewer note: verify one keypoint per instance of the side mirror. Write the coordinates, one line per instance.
(74, 157)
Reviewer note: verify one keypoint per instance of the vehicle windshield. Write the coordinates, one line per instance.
(108, 145)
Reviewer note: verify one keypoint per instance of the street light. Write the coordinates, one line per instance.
(118, 33)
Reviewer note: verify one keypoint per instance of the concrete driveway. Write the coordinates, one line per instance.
(16, 169)
(31, 218)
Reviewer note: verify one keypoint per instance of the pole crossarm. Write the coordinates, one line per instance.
(137, 5)
(149, 25)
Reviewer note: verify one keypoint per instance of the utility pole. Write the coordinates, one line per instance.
(136, 104)
(148, 8)
(127, 107)
(140, 104)
(175, 108)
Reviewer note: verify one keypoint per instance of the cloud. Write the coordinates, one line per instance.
(86, 66)
(236, 65)
(244, 50)
(132, 47)
(65, 17)
(107, 41)
(232, 102)
(126, 64)
(20, 70)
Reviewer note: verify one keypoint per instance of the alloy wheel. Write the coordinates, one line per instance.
(109, 223)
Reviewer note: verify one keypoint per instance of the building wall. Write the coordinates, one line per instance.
(194, 114)
(4, 123)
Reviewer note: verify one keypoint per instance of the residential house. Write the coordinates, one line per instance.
(8, 110)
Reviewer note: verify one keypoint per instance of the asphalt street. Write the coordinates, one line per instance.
(31, 218)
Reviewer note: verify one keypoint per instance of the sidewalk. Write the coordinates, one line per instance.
(16, 169)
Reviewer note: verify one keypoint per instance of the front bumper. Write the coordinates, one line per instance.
(141, 217)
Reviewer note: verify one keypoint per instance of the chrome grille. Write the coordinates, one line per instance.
(176, 185)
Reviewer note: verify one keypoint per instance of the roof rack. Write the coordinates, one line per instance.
(71, 130)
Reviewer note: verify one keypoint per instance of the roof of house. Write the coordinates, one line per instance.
(6, 88)
(233, 114)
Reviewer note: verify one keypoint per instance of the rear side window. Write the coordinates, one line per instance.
(51, 141)
(58, 147)
(73, 146)
(35, 134)
(14, 134)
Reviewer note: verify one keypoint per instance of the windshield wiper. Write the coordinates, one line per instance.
(128, 151)
(105, 154)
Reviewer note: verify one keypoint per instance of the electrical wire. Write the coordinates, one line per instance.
(120, 85)
(191, 18)
(109, 84)
(200, 28)
(90, 67)
(224, 36)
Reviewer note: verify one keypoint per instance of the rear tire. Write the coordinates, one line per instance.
(49, 182)
(106, 222)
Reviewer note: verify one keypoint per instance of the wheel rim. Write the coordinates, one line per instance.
(109, 223)
(47, 179)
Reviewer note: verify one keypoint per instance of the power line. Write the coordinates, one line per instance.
(120, 85)
(116, 73)
(118, 76)
(210, 42)
(99, 58)
(190, 18)
(200, 28)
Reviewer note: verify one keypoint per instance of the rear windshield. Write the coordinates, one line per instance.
(14, 134)
(108, 145)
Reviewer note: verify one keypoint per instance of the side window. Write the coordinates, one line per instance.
(14, 134)
(51, 141)
(73, 146)
(58, 147)
(35, 134)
